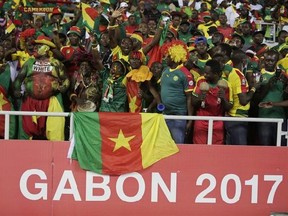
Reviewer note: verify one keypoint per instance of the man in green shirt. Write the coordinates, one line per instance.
(272, 88)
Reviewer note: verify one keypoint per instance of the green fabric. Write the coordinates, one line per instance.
(174, 83)
(188, 11)
(118, 102)
(138, 17)
(227, 70)
(163, 34)
(5, 78)
(252, 67)
(21, 133)
(122, 31)
(29, 63)
(243, 113)
(48, 28)
(185, 37)
(201, 64)
(87, 150)
(5, 83)
(248, 41)
(275, 94)
(163, 7)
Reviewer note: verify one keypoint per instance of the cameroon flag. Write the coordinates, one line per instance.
(89, 14)
(118, 143)
(10, 26)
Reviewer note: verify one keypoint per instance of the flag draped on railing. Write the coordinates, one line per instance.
(118, 143)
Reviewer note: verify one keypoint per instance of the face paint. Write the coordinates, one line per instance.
(42, 50)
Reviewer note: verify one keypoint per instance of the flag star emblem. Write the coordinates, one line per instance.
(122, 141)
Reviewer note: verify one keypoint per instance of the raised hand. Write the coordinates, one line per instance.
(117, 13)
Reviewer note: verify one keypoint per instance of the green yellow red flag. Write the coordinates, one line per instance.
(89, 15)
(118, 143)
(10, 26)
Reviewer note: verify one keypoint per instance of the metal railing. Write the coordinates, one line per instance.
(210, 120)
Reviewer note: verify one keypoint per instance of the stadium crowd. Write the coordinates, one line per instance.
(197, 57)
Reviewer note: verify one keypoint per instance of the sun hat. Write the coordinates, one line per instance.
(45, 40)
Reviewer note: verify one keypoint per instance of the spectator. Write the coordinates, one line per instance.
(176, 86)
(258, 46)
(44, 81)
(143, 29)
(114, 97)
(194, 20)
(214, 102)
(26, 51)
(246, 33)
(104, 50)
(225, 51)
(131, 25)
(201, 47)
(280, 13)
(208, 23)
(156, 68)
(138, 82)
(224, 28)
(126, 45)
(241, 100)
(215, 39)
(153, 13)
(86, 86)
(184, 31)
(71, 51)
(176, 19)
(271, 89)
(237, 41)
(282, 35)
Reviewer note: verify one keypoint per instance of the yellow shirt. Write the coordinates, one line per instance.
(117, 54)
(283, 64)
(239, 85)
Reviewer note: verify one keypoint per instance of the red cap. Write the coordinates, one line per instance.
(74, 29)
(56, 10)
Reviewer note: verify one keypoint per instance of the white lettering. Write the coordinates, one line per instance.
(97, 186)
(157, 180)
(90, 185)
(224, 188)
(41, 68)
(141, 188)
(43, 186)
(253, 182)
(67, 177)
(201, 197)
